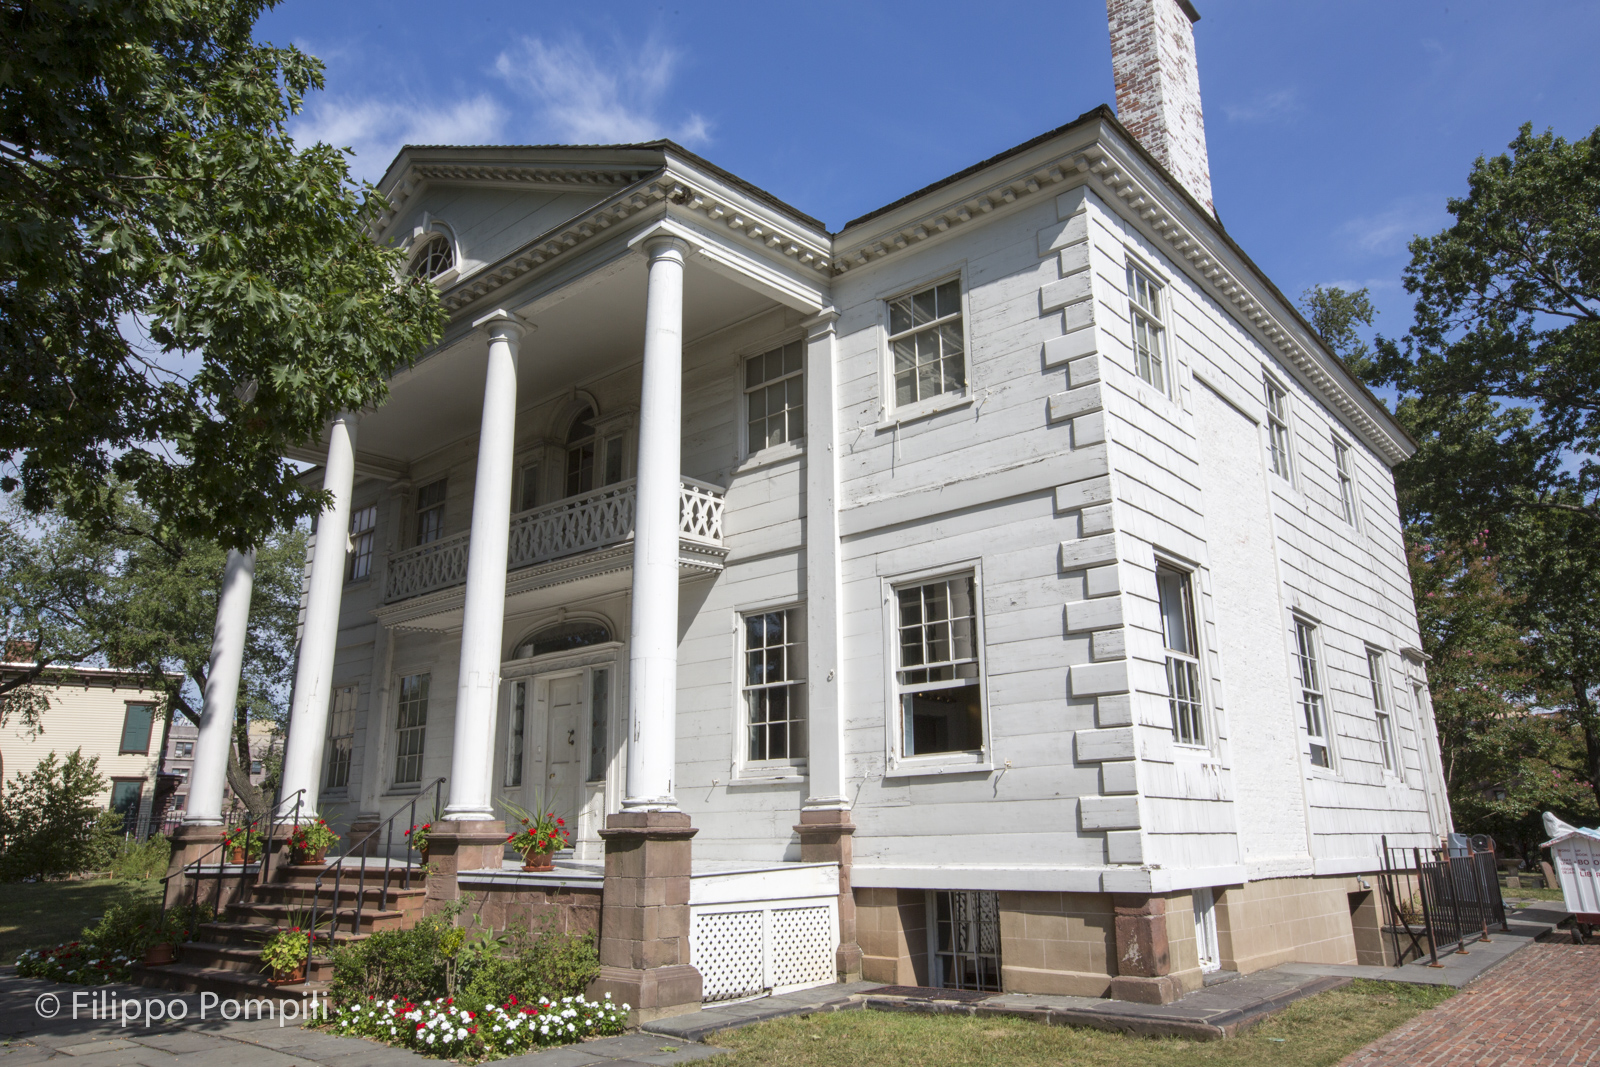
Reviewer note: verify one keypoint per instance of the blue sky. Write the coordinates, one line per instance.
(1336, 129)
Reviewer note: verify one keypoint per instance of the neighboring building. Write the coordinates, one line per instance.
(179, 761)
(105, 714)
(1023, 525)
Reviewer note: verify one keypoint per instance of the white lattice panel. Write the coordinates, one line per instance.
(727, 949)
(801, 946)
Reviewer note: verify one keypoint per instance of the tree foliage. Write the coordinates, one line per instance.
(184, 294)
(137, 596)
(1334, 314)
(1499, 374)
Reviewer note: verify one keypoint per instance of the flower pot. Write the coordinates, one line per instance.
(316, 858)
(537, 861)
(159, 955)
(238, 855)
(423, 852)
(294, 977)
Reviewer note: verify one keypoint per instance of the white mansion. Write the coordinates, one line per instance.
(1014, 571)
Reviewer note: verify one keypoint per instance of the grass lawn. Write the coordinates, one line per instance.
(1309, 1033)
(1528, 893)
(43, 914)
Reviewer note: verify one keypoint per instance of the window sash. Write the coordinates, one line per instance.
(927, 348)
(430, 512)
(138, 721)
(1311, 695)
(341, 736)
(774, 388)
(1347, 485)
(363, 524)
(530, 487)
(411, 726)
(773, 685)
(939, 673)
(1149, 342)
(1278, 429)
(516, 735)
(599, 723)
(1386, 742)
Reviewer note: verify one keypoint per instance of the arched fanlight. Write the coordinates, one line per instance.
(434, 259)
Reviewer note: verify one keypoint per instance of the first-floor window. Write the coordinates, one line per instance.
(774, 684)
(1380, 704)
(938, 682)
(1183, 663)
(411, 726)
(125, 794)
(341, 735)
(516, 734)
(1312, 701)
(599, 721)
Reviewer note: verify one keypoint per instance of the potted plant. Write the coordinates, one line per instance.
(242, 844)
(175, 927)
(538, 837)
(419, 835)
(310, 842)
(285, 954)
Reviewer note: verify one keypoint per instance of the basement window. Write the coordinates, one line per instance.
(966, 940)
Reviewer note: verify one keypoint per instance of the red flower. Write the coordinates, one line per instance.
(561, 822)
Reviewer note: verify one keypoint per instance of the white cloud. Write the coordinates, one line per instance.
(1265, 107)
(1388, 232)
(587, 101)
(376, 129)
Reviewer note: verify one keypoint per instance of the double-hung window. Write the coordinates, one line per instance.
(774, 685)
(926, 344)
(1387, 749)
(1313, 700)
(591, 454)
(530, 487)
(938, 682)
(1347, 481)
(183, 750)
(516, 735)
(363, 529)
(1179, 633)
(1145, 308)
(411, 727)
(341, 736)
(137, 722)
(1278, 429)
(774, 396)
(430, 512)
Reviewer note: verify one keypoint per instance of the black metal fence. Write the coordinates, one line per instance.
(1448, 896)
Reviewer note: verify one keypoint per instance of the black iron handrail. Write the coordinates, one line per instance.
(1459, 897)
(193, 868)
(359, 849)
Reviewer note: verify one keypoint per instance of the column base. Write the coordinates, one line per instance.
(189, 843)
(1144, 958)
(826, 836)
(1162, 989)
(644, 918)
(461, 846)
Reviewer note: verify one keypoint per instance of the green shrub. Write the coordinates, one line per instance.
(127, 928)
(532, 963)
(105, 840)
(48, 818)
(142, 860)
(397, 963)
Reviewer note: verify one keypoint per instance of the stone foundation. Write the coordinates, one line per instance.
(564, 909)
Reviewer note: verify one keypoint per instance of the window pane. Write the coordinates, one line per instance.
(949, 298)
(923, 307)
(942, 720)
(900, 315)
(136, 723)
(599, 724)
(1177, 610)
(614, 459)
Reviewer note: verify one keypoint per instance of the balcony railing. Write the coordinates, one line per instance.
(576, 524)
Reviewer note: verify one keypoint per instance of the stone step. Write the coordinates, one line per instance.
(184, 977)
(283, 915)
(308, 873)
(302, 894)
(243, 959)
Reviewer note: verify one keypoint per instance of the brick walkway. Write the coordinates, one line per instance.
(1541, 1008)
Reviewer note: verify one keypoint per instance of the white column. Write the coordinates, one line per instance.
(210, 772)
(653, 640)
(313, 676)
(824, 661)
(484, 612)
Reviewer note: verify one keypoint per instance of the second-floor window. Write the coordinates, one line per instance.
(926, 344)
(411, 728)
(589, 454)
(137, 722)
(1347, 480)
(430, 511)
(774, 684)
(1278, 429)
(1145, 308)
(1313, 705)
(363, 529)
(774, 396)
(1183, 663)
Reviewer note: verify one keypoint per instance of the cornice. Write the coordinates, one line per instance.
(517, 175)
(747, 223)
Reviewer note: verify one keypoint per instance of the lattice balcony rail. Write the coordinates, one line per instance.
(582, 523)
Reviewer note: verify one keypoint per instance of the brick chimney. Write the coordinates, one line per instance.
(1158, 86)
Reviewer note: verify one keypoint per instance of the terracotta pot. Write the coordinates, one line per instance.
(423, 851)
(294, 977)
(317, 858)
(238, 855)
(538, 861)
(159, 955)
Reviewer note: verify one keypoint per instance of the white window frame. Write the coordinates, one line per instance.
(402, 731)
(894, 411)
(516, 755)
(1180, 663)
(1279, 423)
(1349, 499)
(441, 507)
(898, 763)
(1158, 362)
(363, 539)
(791, 766)
(750, 449)
(1207, 946)
(345, 699)
(1383, 713)
(1312, 706)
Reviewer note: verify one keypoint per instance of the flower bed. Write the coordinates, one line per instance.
(75, 962)
(440, 1028)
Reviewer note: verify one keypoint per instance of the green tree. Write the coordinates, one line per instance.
(185, 293)
(1499, 374)
(136, 595)
(47, 818)
(1334, 314)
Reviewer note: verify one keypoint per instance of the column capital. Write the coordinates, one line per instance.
(503, 323)
(821, 324)
(666, 235)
